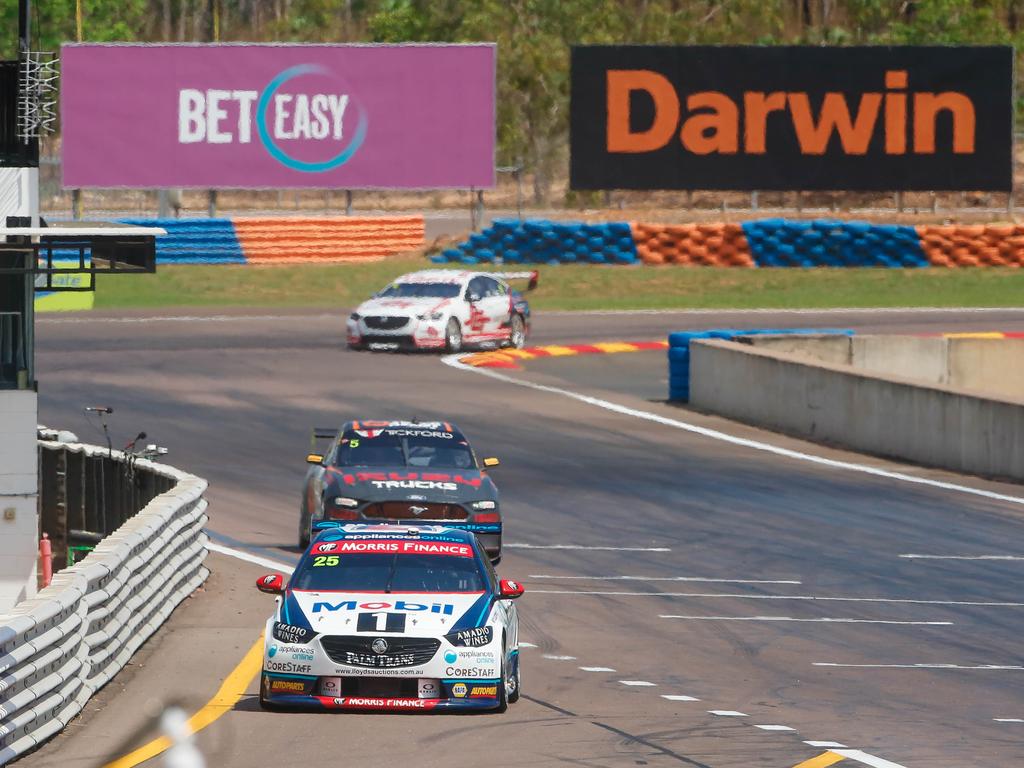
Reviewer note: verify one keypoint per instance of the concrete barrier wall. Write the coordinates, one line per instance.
(992, 363)
(885, 415)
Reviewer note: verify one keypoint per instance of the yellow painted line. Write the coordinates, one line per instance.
(223, 701)
(976, 335)
(821, 761)
(556, 351)
(614, 346)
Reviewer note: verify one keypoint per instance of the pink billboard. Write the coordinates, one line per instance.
(269, 116)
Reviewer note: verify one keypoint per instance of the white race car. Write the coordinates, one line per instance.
(389, 617)
(444, 309)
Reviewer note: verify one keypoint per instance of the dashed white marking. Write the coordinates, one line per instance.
(249, 557)
(864, 757)
(982, 667)
(699, 579)
(825, 744)
(964, 557)
(608, 593)
(714, 434)
(726, 713)
(821, 620)
(775, 728)
(637, 683)
(523, 644)
(518, 545)
(597, 669)
(678, 697)
(553, 657)
(1008, 719)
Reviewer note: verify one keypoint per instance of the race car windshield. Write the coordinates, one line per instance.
(420, 291)
(404, 448)
(389, 573)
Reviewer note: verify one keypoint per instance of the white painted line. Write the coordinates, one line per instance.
(864, 757)
(990, 604)
(638, 683)
(773, 311)
(821, 620)
(964, 557)
(665, 578)
(78, 319)
(983, 667)
(250, 558)
(678, 697)
(523, 644)
(558, 658)
(825, 744)
(597, 669)
(1008, 720)
(515, 545)
(726, 713)
(714, 434)
(775, 728)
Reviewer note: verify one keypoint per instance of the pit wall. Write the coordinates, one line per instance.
(876, 413)
(284, 239)
(989, 363)
(764, 243)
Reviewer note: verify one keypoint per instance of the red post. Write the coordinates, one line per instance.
(46, 558)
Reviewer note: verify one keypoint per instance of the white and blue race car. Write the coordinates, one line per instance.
(390, 617)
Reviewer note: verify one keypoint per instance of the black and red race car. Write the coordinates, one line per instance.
(408, 471)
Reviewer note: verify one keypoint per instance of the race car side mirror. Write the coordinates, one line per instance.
(272, 584)
(314, 458)
(510, 590)
(491, 461)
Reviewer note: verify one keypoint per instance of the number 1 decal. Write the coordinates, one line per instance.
(381, 622)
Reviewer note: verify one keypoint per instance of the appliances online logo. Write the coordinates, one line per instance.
(305, 118)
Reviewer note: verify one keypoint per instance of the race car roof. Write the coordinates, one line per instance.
(436, 276)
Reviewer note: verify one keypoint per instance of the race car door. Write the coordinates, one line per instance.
(488, 309)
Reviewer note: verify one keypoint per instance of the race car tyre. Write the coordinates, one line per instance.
(517, 685)
(517, 332)
(502, 691)
(357, 347)
(453, 336)
(304, 536)
(264, 702)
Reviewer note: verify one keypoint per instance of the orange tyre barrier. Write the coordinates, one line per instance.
(267, 240)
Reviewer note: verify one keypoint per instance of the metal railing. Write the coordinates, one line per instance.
(59, 648)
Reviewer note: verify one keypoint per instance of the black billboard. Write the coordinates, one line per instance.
(791, 118)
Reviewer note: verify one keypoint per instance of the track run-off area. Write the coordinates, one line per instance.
(699, 592)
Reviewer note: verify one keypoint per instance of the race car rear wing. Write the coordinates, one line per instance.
(322, 433)
(533, 276)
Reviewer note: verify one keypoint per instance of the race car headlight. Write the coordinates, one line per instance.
(291, 634)
(471, 638)
(484, 505)
(345, 501)
(354, 317)
(430, 316)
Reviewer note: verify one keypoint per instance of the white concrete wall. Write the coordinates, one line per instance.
(892, 416)
(19, 478)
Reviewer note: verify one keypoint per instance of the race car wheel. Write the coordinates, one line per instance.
(265, 703)
(304, 536)
(453, 336)
(516, 682)
(517, 332)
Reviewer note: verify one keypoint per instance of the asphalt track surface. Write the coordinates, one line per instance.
(235, 395)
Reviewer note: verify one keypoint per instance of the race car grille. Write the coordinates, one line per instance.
(414, 510)
(385, 323)
(401, 652)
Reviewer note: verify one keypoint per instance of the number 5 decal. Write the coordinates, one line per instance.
(380, 622)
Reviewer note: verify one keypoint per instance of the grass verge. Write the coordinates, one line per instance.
(578, 287)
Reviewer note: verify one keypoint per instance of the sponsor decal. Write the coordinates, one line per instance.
(366, 703)
(287, 686)
(325, 547)
(373, 660)
(410, 547)
(420, 480)
(483, 691)
(419, 433)
(269, 579)
(429, 689)
(472, 638)
(379, 672)
(330, 686)
(459, 690)
(451, 657)
(287, 666)
(468, 672)
(447, 609)
(474, 657)
(294, 652)
(289, 633)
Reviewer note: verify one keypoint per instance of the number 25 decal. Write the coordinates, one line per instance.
(381, 622)
(322, 560)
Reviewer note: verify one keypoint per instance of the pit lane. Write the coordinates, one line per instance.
(234, 399)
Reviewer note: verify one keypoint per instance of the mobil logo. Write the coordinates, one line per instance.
(445, 609)
(306, 118)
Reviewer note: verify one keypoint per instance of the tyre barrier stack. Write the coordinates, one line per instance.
(284, 239)
(60, 647)
(679, 352)
(764, 243)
